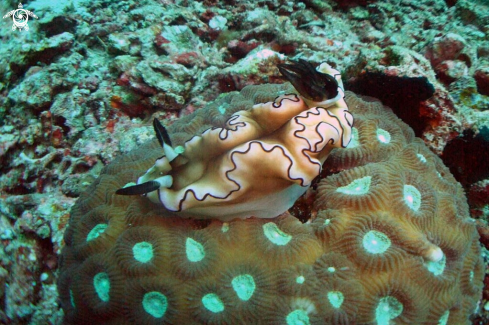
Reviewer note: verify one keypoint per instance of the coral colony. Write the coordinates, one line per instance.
(193, 228)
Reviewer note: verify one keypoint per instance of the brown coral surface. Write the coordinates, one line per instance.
(390, 240)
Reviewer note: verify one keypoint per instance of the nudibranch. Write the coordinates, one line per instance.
(262, 161)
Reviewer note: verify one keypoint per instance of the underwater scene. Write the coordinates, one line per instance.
(244, 162)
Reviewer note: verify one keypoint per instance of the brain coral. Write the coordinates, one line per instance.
(390, 241)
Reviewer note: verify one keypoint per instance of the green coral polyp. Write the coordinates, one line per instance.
(336, 298)
(195, 251)
(275, 235)
(244, 286)
(412, 197)
(101, 283)
(444, 318)
(96, 231)
(387, 309)
(155, 303)
(225, 227)
(213, 303)
(298, 317)
(421, 158)
(300, 279)
(376, 242)
(383, 136)
(438, 267)
(359, 186)
(354, 139)
(143, 252)
(222, 108)
(179, 150)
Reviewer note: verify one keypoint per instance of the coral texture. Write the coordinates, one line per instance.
(390, 240)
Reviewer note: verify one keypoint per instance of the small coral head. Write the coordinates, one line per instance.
(309, 82)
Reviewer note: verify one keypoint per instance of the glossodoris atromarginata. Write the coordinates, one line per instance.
(261, 161)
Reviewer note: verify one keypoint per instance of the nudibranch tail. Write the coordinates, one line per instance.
(309, 82)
